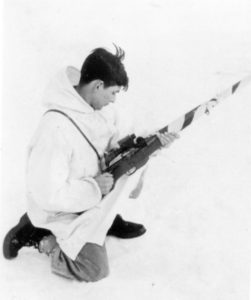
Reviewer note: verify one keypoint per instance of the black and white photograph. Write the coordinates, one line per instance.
(125, 150)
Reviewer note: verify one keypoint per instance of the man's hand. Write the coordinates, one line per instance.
(167, 139)
(105, 182)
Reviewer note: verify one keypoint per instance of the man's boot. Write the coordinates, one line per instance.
(24, 234)
(124, 229)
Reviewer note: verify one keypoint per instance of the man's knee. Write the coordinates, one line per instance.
(91, 272)
(90, 265)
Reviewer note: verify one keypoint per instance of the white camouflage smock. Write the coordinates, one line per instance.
(61, 166)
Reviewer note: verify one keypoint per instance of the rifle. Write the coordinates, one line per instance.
(134, 152)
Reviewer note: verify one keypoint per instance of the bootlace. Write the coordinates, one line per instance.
(31, 243)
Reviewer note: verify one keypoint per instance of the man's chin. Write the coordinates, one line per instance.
(103, 106)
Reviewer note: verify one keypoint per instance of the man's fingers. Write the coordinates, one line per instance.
(108, 180)
(108, 175)
(167, 138)
(171, 134)
(105, 182)
(106, 186)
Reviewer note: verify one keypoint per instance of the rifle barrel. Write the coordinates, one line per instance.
(187, 119)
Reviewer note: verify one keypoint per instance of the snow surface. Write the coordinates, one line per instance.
(196, 199)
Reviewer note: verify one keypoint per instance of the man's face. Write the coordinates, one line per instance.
(104, 95)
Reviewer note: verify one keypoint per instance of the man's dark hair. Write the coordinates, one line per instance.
(102, 64)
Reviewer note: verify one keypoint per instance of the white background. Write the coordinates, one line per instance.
(196, 199)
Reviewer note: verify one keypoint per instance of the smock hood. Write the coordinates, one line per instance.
(96, 124)
(60, 92)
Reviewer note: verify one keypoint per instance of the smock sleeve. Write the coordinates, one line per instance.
(49, 183)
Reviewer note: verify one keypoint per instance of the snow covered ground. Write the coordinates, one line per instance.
(196, 199)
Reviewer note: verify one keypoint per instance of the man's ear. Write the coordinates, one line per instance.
(99, 84)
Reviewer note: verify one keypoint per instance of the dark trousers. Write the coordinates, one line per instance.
(91, 263)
